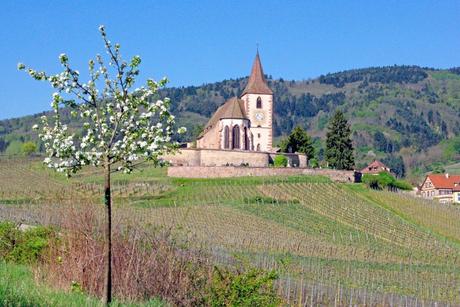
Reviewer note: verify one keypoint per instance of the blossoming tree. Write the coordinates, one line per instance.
(121, 127)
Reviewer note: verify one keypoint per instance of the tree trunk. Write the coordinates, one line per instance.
(108, 237)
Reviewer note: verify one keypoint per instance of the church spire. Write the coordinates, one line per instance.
(257, 83)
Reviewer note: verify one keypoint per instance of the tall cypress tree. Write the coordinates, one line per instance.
(339, 147)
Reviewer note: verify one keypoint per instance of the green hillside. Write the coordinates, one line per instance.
(324, 238)
(405, 115)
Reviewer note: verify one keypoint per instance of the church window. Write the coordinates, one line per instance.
(259, 103)
(258, 147)
(226, 137)
(258, 135)
(246, 139)
(236, 137)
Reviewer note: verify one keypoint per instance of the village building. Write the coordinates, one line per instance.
(442, 187)
(375, 168)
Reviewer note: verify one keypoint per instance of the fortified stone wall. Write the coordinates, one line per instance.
(232, 171)
(232, 157)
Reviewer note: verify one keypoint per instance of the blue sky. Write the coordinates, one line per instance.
(196, 42)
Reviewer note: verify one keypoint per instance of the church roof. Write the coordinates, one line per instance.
(232, 108)
(257, 83)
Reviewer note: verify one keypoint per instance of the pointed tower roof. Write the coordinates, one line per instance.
(257, 83)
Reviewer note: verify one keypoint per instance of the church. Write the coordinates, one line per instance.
(239, 133)
(244, 122)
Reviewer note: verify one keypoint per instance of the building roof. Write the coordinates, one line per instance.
(232, 108)
(375, 167)
(257, 83)
(444, 181)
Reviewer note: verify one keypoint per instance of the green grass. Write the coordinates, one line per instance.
(18, 288)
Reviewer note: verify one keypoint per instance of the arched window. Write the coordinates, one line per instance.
(246, 139)
(258, 147)
(236, 137)
(226, 137)
(259, 103)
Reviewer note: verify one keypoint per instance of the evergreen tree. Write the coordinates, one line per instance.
(339, 147)
(298, 141)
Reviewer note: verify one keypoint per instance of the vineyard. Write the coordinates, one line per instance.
(330, 242)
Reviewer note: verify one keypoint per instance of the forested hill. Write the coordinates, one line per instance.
(398, 113)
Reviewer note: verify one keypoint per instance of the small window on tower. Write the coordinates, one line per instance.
(258, 135)
(259, 103)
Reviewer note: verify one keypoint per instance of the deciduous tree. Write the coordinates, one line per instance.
(298, 141)
(121, 127)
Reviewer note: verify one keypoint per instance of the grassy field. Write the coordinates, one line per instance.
(18, 288)
(341, 241)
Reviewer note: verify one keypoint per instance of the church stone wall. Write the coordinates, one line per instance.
(232, 157)
(211, 139)
(213, 157)
(294, 160)
(185, 156)
(218, 157)
(234, 171)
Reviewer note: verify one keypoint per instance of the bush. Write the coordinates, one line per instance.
(254, 287)
(313, 163)
(384, 180)
(403, 185)
(280, 161)
(23, 246)
(29, 148)
(148, 262)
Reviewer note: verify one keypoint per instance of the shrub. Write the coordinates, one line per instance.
(28, 148)
(254, 287)
(280, 161)
(313, 163)
(147, 262)
(8, 236)
(23, 246)
(403, 185)
(384, 180)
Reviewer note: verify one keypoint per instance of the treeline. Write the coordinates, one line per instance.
(388, 74)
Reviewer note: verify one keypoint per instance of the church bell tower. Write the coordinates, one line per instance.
(258, 102)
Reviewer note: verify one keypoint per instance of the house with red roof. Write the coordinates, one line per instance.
(375, 168)
(442, 187)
